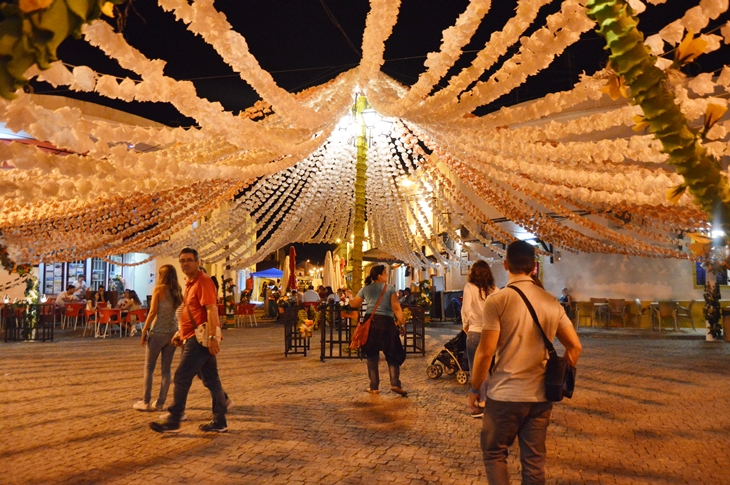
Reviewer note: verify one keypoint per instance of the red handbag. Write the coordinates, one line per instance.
(360, 335)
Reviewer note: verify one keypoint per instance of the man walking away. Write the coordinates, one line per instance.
(516, 404)
(199, 306)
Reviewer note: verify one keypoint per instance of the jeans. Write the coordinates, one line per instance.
(472, 342)
(195, 360)
(158, 343)
(501, 423)
(374, 374)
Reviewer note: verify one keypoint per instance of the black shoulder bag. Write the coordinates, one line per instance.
(559, 374)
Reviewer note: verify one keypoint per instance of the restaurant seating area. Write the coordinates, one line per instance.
(672, 315)
(18, 322)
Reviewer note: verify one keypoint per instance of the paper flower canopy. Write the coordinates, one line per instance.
(566, 167)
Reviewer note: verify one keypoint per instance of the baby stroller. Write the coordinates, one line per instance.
(452, 359)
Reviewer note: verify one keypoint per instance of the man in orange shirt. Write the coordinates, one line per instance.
(199, 306)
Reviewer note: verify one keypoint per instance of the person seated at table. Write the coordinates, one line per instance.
(321, 292)
(124, 301)
(99, 296)
(245, 296)
(81, 287)
(310, 296)
(296, 297)
(67, 296)
(567, 301)
(134, 303)
(408, 297)
(332, 297)
(274, 296)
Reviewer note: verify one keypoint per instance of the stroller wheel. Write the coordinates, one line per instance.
(452, 367)
(434, 371)
(461, 377)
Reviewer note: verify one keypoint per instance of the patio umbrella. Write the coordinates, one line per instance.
(338, 273)
(328, 274)
(285, 276)
(292, 282)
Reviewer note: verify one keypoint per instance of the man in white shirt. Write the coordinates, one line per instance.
(310, 296)
(516, 404)
(66, 296)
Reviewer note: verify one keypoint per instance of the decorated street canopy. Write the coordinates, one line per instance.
(597, 168)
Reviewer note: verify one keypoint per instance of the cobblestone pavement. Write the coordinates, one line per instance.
(645, 412)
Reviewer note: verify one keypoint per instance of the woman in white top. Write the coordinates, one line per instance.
(480, 285)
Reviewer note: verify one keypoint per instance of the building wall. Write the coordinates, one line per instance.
(16, 291)
(615, 276)
(603, 276)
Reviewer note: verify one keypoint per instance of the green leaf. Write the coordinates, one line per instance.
(82, 8)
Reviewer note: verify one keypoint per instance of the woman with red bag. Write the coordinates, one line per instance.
(383, 312)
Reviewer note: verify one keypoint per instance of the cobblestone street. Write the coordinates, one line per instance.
(646, 411)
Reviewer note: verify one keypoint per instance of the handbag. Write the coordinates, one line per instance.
(360, 335)
(559, 374)
(201, 331)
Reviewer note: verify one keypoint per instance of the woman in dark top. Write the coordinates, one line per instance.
(99, 296)
(384, 334)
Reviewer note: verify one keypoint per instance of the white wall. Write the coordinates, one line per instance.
(138, 278)
(615, 276)
(15, 291)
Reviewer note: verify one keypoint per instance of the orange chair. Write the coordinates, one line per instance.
(87, 317)
(246, 310)
(72, 310)
(139, 316)
(108, 316)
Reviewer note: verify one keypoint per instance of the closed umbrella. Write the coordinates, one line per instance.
(285, 276)
(328, 274)
(292, 281)
(338, 273)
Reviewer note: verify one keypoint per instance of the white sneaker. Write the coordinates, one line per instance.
(184, 417)
(142, 406)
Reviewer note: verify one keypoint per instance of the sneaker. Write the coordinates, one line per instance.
(229, 404)
(476, 414)
(399, 391)
(213, 427)
(372, 391)
(157, 407)
(142, 406)
(166, 416)
(165, 427)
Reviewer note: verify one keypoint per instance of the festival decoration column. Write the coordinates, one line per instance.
(650, 89)
(360, 178)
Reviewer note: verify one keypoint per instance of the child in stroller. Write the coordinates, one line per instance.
(452, 359)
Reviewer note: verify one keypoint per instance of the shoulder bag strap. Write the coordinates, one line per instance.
(548, 344)
(190, 314)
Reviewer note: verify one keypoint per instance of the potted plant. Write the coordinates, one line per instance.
(424, 300)
(229, 301)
